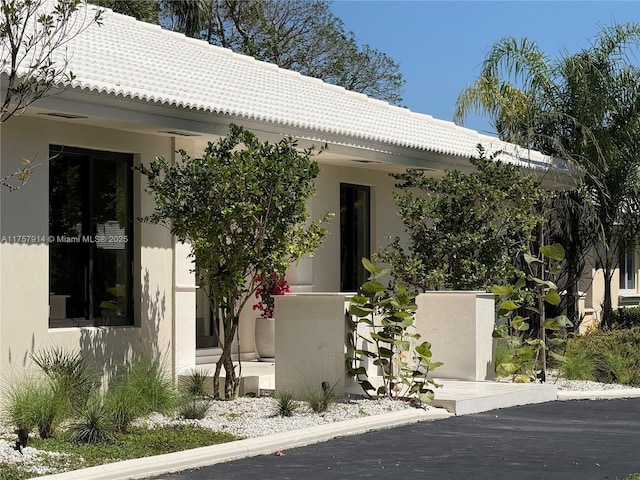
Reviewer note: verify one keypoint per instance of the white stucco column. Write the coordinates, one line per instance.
(184, 309)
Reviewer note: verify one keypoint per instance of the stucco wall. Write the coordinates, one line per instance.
(24, 274)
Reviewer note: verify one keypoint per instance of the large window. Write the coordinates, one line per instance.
(90, 238)
(355, 235)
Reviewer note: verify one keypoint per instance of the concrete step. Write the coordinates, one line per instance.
(463, 397)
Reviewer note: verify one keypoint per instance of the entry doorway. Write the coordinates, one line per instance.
(355, 235)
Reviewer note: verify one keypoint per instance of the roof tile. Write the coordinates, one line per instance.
(129, 58)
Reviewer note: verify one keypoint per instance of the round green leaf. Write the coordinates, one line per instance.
(555, 251)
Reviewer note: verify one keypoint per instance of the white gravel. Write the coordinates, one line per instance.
(30, 459)
(585, 385)
(256, 417)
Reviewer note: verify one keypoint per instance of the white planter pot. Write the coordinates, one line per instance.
(266, 338)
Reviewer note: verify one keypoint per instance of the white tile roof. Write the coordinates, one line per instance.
(133, 59)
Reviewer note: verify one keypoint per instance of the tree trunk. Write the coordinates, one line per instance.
(607, 303)
(231, 382)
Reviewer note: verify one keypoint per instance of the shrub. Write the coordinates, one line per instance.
(578, 366)
(625, 318)
(321, 398)
(154, 388)
(69, 374)
(194, 408)
(194, 383)
(143, 388)
(93, 425)
(614, 355)
(285, 403)
(31, 403)
(123, 406)
(388, 339)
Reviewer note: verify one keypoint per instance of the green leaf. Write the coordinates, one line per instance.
(380, 337)
(519, 323)
(424, 350)
(554, 251)
(371, 288)
(564, 321)
(370, 267)
(359, 300)
(521, 378)
(385, 352)
(520, 283)
(557, 356)
(402, 345)
(366, 385)
(531, 259)
(535, 342)
(507, 368)
(433, 365)
(360, 311)
(552, 297)
(426, 397)
(106, 305)
(557, 323)
(509, 305)
(502, 290)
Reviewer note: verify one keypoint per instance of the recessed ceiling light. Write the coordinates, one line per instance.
(179, 133)
(70, 116)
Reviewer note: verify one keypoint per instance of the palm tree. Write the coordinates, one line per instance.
(192, 17)
(584, 109)
(144, 10)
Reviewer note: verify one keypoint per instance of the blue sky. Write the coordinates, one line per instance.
(440, 45)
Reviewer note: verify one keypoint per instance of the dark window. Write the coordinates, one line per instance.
(206, 331)
(354, 235)
(90, 238)
(628, 269)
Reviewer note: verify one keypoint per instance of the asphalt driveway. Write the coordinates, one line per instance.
(576, 440)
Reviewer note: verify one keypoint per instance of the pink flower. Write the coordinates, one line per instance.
(269, 287)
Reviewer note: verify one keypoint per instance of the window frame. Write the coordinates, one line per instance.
(626, 275)
(92, 247)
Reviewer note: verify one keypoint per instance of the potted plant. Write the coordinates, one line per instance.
(269, 285)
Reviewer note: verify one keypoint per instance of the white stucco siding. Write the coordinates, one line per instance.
(24, 303)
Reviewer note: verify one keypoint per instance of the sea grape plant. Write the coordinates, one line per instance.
(381, 326)
(521, 320)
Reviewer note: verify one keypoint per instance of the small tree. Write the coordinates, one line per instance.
(33, 34)
(242, 207)
(465, 230)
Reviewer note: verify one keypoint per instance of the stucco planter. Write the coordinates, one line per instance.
(266, 338)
